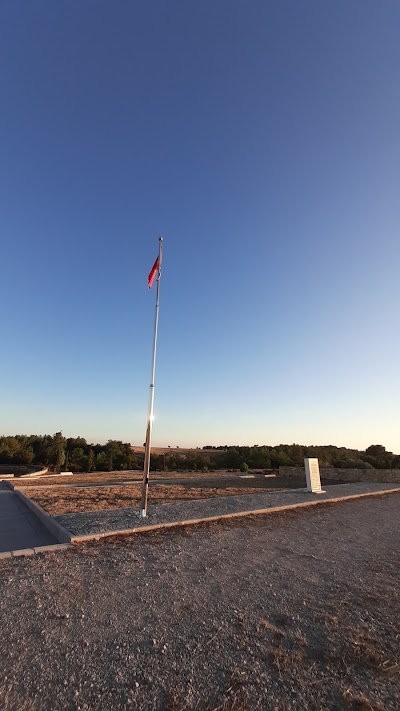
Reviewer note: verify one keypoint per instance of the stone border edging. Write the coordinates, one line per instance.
(33, 551)
(238, 514)
(39, 472)
(34, 470)
(56, 529)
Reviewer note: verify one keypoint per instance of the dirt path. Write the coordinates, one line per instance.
(288, 612)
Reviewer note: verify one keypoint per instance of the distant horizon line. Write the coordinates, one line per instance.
(104, 440)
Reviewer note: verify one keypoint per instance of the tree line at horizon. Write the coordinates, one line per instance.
(66, 453)
(61, 453)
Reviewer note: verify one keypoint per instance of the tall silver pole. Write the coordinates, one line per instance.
(150, 412)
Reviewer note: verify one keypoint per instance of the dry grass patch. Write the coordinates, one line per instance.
(71, 500)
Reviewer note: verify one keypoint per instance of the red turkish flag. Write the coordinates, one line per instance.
(152, 274)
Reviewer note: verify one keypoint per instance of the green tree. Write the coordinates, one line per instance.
(114, 451)
(43, 449)
(77, 459)
(377, 455)
(232, 458)
(280, 458)
(90, 461)
(26, 456)
(296, 455)
(101, 462)
(376, 450)
(58, 450)
(259, 458)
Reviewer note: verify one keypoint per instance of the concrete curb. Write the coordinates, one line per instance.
(238, 514)
(56, 529)
(54, 548)
(22, 552)
(34, 473)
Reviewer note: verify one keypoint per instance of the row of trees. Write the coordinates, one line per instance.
(74, 453)
(283, 455)
(71, 453)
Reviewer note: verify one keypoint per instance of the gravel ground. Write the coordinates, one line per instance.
(284, 612)
(118, 519)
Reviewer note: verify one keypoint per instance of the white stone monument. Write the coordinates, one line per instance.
(312, 476)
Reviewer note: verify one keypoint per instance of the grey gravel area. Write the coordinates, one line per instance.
(292, 611)
(127, 518)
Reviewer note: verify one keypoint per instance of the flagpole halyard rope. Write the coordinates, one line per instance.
(150, 413)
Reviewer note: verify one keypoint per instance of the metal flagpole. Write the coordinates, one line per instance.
(150, 413)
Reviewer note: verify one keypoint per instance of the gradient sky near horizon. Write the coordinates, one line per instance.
(262, 140)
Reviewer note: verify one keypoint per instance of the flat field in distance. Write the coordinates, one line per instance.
(177, 450)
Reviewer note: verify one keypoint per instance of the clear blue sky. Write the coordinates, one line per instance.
(262, 140)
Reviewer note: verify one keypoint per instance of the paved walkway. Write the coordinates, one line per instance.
(86, 525)
(19, 527)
